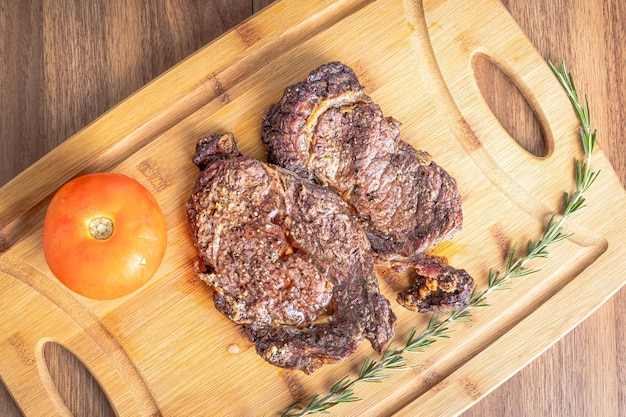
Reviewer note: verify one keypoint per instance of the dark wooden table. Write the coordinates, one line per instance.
(65, 63)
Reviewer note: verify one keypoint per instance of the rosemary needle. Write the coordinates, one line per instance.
(393, 357)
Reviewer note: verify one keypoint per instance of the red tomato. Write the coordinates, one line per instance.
(104, 235)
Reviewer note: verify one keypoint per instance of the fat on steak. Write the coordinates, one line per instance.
(327, 129)
(286, 258)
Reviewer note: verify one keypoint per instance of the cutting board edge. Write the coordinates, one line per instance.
(460, 390)
(229, 33)
(25, 196)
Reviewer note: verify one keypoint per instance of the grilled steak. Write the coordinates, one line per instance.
(327, 129)
(438, 287)
(286, 259)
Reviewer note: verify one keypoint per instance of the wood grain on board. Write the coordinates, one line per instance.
(64, 66)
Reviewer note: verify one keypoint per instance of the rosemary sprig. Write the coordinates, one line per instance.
(373, 371)
(393, 358)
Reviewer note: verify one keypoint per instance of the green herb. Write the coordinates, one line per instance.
(372, 371)
(393, 358)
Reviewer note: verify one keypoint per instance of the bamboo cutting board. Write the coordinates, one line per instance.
(164, 349)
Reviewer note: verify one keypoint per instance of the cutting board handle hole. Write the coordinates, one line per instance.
(81, 391)
(517, 116)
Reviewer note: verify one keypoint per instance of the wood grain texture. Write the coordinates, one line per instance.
(584, 373)
(63, 66)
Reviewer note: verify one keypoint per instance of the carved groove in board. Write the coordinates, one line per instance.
(520, 117)
(93, 328)
(213, 89)
(82, 391)
(592, 245)
(426, 60)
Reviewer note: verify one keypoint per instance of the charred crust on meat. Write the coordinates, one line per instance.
(438, 287)
(409, 201)
(212, 147)
(286, 258)
(327, 129)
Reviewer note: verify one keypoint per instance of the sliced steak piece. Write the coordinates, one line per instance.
(287, 260)
(327, 129)
(438, 288)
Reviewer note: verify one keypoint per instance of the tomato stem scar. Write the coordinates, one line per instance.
(101, 228)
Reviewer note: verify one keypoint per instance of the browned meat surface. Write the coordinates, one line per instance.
(327, 129)
(286, 258)
(438, 287)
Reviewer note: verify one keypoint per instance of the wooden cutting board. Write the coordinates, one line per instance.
(164, 349)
